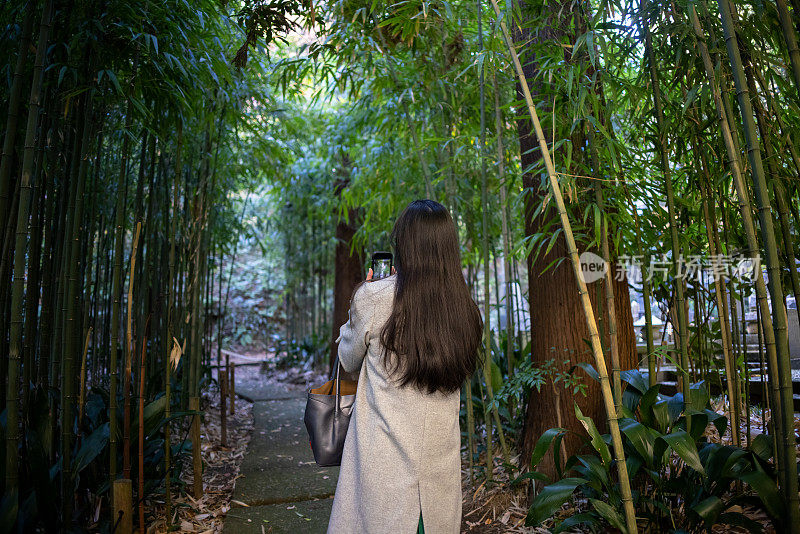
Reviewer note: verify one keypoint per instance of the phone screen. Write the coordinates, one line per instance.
(381, 265)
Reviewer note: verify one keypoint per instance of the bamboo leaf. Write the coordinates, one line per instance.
(642, 439)
(610, 514)
(589, 368)
(635, 378)
(91, 447)
(543, 444)
(709, 509)
(593, 469)
(690, 97)
(762, 447)
(550, 499)
(684, 446)
(175, 354)
(590, 48)
(574, 521)
(767, 491)
(596, 439)
(114, 80)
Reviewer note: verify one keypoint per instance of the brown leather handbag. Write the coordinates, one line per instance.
(327, 417)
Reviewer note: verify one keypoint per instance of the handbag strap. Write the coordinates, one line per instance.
(336, 388)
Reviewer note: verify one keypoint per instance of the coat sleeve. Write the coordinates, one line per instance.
(354, 334)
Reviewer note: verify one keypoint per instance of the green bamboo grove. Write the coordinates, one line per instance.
(152, 150)
(123, 135)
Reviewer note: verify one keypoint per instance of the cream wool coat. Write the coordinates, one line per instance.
(402, 450)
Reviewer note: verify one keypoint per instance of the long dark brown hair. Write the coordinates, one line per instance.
(434, 332)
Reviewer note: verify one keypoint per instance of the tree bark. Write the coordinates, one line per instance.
(558, 328)
(349, 272)
(558, 331)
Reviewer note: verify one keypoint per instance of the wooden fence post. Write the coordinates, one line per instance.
(232, 384)
(197, 458)
(123, 506)
(222, 377)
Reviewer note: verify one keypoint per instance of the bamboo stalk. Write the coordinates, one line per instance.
(496, 277)
(741, 346)
(779, 193)
(779, 190)
(30, 309)
(116, 293)
(719, 296)
(498, 124)
(197, 459)
(786, 133)
(82, 394)
(786, 409)
(470, 429)
(652, 373)
(142, 526)
(783, 217)
(14, 105)
(608, 285)
(17, 291)
(725, 313)
(594, 338)
(126, 425)
(768, 404)
(173, 236)
(487, 340)
(43, 186)
(682, 334)
(55, 339)
(744, 201)
(48, 268)
(72, 305)
(197, 283)
(791, 42)
(91, 309)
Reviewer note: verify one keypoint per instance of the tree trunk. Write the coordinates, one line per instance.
(558, 331)
(558, 328)
(349, 272)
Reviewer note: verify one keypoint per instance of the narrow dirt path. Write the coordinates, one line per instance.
(280, 488)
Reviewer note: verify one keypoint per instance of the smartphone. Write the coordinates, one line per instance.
(381, 265)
